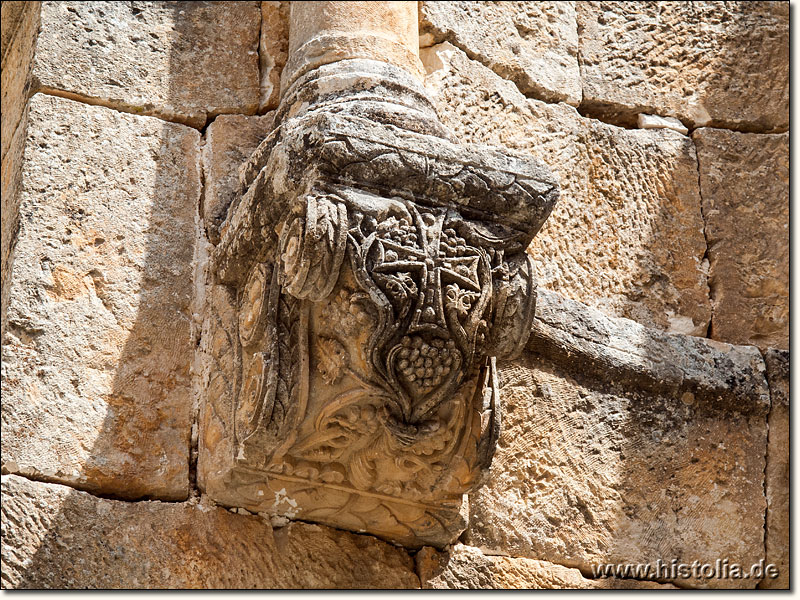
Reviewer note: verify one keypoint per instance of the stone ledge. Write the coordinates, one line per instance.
(183, 62)
(60, 538)
(579, 338)
(96, 356)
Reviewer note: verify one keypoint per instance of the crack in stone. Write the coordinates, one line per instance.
(766, 462)
(72, 485)
(706, 257)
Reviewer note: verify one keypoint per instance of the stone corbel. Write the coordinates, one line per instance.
(378, 270)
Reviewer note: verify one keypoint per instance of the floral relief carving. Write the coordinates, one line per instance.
(376, 281)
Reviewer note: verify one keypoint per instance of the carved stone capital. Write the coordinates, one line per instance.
(378, 270)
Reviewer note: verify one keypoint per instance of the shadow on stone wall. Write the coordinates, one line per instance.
(143, 275)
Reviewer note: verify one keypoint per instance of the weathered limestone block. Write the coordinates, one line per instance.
(706, 63)
(465, 567)
(533, 44)
(20, 26)
(622, 444)
(744, 179)
(19, 31)
(58, 537)
(627, 233)
(230, 140)
(182, 61)
(95, 384)
(273, 50)
(777, 474)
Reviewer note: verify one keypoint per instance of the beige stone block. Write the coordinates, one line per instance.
(58, 537)
(273, 48)
(744, 179)
(465, 567)
(622, 444)
(20, 27)
(627, 233)
(777, 474)
(230, 140)
(706, 63)
(182, 61)
(95, 387)
(533, 44)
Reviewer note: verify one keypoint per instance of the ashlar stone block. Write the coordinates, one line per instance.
(182, 61)
(777, 473)
(622, 444)
(464, 567)
(706, 63)
(533, 44)
(95, 385)
(56, 537)
(744, 178)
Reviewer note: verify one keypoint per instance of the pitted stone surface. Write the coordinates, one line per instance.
(744, 178)
(230, 140)
(627, 233)
(622, 444)
(57, 537)
(706, 63)
(96, 355)
(464, 567)
(533, 44)
(20, 25)
(273, 50)
(183, 61)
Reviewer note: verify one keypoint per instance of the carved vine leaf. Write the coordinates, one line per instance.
(333, 359)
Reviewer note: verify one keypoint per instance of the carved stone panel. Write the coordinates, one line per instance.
(373, 274)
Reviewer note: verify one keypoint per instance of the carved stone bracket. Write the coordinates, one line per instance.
(378, 270)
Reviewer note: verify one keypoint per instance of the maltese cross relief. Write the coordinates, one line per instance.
(368, 278)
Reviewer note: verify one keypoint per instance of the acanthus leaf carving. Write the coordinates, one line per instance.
(388, 280)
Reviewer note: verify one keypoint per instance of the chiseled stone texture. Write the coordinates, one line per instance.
(622, 444)
(20, 26)
(58, 537)
(183, 61)
(777, 473)
(230, 140)
(19, 30)
(465, 567)
(273, 51)
(627, 233)
(9, 214)
(744, 179)
(706, 63)
(95, 380)
(533, 44)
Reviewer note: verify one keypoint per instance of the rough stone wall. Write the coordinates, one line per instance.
(628, 437)
(20, 24)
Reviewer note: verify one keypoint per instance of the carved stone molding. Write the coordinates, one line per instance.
(376, 269)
